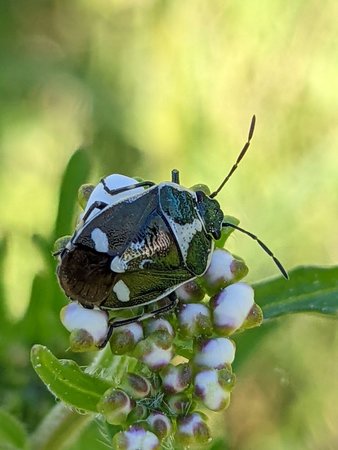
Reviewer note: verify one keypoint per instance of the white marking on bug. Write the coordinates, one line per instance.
(122, 291)
(145, 261)
(100, 240)
(118, 265)
(185, 233)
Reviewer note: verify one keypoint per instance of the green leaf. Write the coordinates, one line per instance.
(309, 289)
(13, 436)
(67, 381)
(76, 174)
(226, 231)
(3, 311)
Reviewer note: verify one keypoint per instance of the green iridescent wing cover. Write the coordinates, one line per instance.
(144, 250)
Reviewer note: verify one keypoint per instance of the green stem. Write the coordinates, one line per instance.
(63, 425)
(60, 428)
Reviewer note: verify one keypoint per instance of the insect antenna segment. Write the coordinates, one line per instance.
(240, 156)
(263, 246)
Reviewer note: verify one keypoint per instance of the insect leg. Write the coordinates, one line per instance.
(95, 205)
(175, 176)
(120, 323)
(125, 188)
(261, 243)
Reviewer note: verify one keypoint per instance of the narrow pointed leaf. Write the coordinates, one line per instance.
(309, 290)
(13, 436)
(77, 173)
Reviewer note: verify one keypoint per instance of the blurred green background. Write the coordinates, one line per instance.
(146, 86)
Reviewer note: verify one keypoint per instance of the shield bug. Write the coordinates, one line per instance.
(139, 241)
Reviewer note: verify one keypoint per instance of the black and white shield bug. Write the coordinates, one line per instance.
(137, 242)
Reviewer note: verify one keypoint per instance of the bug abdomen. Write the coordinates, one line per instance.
(85, 276)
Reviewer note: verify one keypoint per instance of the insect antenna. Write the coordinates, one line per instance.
(261, 243)
(240, 156)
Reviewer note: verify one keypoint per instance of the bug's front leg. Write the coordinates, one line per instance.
(173, 301)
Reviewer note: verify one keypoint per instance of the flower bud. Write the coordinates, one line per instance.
(136, 386)
(194, 320)
(153, 325)
(84, 193)
(159, 424)
(115, 405)
(137, 414)
(81, 341)
(125, 338)
(94, 322)
(156, 350)
(176, 378)
(60, 244)
(179, 404)
(201, 187)
(231, 307)
(190, 292)
(213, 388)
(215, 353)
(192, 429)
(224, 269)
(136, 438)
(254, 318)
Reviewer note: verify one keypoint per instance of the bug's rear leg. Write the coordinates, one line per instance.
(173, 301)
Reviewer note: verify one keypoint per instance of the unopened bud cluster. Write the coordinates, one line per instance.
(163, 399)
(184, 359)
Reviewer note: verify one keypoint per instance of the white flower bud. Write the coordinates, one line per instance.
(231, 307)
(215, 353)
(93, 321)
(125, 338)
(208, 387)
(176, 378)
(136, 438)
(224, 269)
(155, 351)
(153, 325)
(115, 405)
(192, 429)
(160, 424)
(194, 320)
(190, 292)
